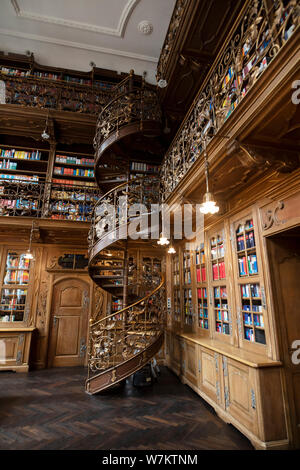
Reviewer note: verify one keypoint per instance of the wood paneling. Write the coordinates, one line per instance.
(191, 363)
(8, 348)
(209, 375)
(68, 323)
(240, 399)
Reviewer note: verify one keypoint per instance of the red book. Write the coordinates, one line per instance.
(215, 272)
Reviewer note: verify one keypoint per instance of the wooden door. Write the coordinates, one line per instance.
(284, 255)
(69, 323)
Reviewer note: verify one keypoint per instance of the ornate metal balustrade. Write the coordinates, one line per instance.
(263, 30)
(170, 39)
(44, 93)
(126, 340)
(133, 102)
(142, 190)
(121, 336)
(47, 200)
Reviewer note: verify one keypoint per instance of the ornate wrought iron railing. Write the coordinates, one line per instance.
(175, 22)
(133, 102)
(126, 340)
(263, 30)
(113, 209)
(51, 94)
(47, 200)
(119, 337)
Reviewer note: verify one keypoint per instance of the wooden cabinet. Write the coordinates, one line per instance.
(244, 388)
(15, 312)
(15, 348)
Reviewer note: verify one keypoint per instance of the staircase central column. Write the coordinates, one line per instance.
(125, 278)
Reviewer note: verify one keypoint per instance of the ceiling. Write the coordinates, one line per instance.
(114, 34)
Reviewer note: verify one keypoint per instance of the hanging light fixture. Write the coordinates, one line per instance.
(171, 249)
(163, 240)
(209, 205)
(45, 134)
(28, 254)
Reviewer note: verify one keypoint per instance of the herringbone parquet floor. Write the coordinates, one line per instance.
(49, 409)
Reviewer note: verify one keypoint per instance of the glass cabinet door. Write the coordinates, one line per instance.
(250, 291)
(219, 289)
(201, 283)
(176, 290)
(14, 287)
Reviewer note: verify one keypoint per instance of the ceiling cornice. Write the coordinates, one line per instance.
(88, 47)
(119, 31)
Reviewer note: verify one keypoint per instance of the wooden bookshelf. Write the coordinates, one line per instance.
(72, 173)
(176, 290)
(250, 292)
(187, 291)
(219, 289)
(17, 160)
(14, 287)
(201, 287)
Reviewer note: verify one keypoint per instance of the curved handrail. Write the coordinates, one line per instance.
(112, 190)
(131, 305)
(124, 93)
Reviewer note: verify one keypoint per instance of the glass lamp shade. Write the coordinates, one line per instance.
(171, 250)
(209, 205)
(28, 255)
(163, 240)
(162, 83)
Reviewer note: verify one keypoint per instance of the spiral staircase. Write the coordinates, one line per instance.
(126, 340)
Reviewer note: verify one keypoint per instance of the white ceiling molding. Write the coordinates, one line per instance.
(87, 47)
(119, 31)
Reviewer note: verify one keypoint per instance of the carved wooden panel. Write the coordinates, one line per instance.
(280, 214)
(240, 393)
(70, 297)
(210, 374)
(67, 336)
(190, 358)
(8, 348)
